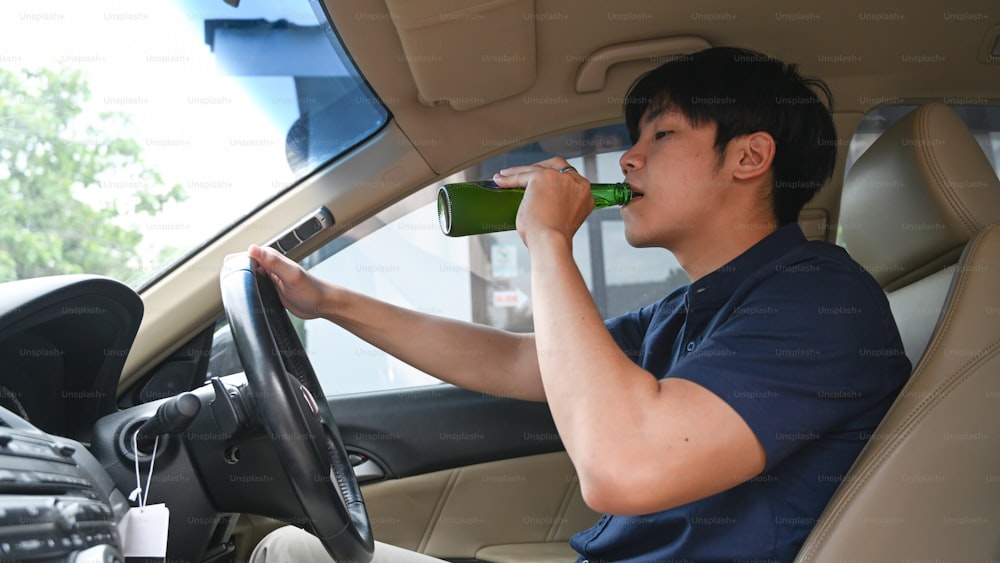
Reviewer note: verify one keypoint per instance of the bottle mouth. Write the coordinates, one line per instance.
(444, 211)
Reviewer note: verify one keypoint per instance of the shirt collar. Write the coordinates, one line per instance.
(721, 283)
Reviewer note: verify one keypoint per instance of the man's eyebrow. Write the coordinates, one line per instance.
(650, 119)
(656, 109)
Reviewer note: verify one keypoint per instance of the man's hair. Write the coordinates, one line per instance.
(743, 92)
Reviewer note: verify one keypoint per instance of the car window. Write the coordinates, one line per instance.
(153, 126)
(401, 256)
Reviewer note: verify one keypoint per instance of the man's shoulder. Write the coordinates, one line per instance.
(813, 265)
(818, 284)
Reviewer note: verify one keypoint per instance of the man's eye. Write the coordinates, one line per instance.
(659, 135)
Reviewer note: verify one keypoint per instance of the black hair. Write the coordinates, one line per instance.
(743, 92)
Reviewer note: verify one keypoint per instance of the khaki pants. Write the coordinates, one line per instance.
(289, 544)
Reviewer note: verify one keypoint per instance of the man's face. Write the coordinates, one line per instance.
(679, 180)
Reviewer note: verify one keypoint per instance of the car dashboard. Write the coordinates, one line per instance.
(63, 342)
(56, 501)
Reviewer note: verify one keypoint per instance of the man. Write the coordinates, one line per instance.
(715, 424)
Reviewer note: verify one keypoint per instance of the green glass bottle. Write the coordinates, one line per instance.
(473, 208)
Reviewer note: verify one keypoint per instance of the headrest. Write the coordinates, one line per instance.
(916, 196)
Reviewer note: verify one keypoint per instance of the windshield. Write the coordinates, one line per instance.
(131, 133)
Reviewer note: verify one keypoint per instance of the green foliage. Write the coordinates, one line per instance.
(51, 169)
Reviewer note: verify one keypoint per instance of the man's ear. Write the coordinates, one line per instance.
(755, 154)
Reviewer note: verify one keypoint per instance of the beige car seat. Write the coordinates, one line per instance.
(919, 211)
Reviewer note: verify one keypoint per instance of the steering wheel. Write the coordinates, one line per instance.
(294, 412)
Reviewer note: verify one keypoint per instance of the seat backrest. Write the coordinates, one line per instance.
(927, 485)
(910, 204)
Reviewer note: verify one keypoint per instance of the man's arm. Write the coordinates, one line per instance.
(638, 444)
(473, 356)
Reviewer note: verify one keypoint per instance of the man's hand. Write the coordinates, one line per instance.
(469, 355)
(557, 198)
(300, 292)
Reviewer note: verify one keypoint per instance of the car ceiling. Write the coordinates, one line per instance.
(869, 54)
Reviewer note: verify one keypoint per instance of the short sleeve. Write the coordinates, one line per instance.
(801, 355)
(631, 329)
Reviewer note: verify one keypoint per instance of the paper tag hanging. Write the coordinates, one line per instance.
(144, 528)
(144, 531)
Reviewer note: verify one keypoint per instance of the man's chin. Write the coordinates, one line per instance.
(636, 240)
(644, 239)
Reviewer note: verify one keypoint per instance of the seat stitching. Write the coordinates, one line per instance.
(934, 164)
(907, 426)
(922, 409)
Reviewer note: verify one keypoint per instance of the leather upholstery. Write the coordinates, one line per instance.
(927, 485)
(916, 196)
(549, 552)
(910, 205)
(481, 511)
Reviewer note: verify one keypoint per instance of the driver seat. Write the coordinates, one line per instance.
(927, 485)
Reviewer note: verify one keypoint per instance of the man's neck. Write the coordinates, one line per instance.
(706, 254)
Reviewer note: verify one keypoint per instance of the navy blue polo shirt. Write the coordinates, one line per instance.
(800, 341)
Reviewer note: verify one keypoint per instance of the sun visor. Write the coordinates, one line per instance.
(467, 53)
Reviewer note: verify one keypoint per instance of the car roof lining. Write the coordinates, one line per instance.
(858, 67)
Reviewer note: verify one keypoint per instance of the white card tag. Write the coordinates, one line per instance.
(144, 531)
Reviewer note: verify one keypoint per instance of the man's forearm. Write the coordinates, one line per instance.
(469, 355)
(594, 390)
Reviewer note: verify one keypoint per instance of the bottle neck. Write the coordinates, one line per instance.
(606, 195)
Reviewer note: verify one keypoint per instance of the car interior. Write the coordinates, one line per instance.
(458, 89)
